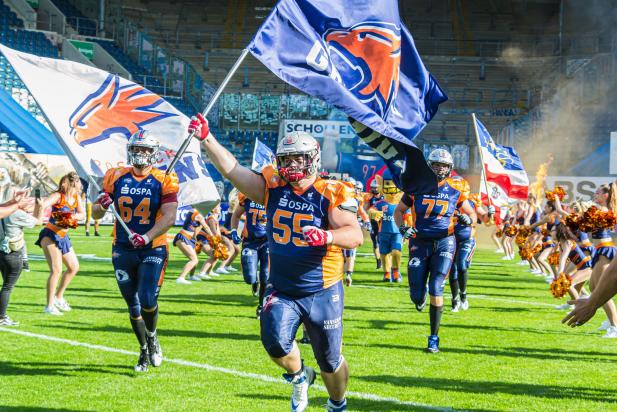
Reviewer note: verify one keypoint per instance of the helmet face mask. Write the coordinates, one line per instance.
(142, 149)
(375, 187)
(389, 188)
(298, 156)
(441, 162)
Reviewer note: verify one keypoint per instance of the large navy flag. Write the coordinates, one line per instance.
(359, 57)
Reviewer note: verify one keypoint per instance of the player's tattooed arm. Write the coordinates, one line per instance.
(165, 221)
(346, 233)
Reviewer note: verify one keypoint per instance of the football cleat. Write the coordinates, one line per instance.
(255, 288)
(456, 306)
(433, 344)
(154, 350)
(332, 407)
(143, 361)
(299, 393)
(221, 270)
(465, 304)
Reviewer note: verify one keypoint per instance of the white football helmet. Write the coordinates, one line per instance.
(298, 144)
(374, 187)
(142, 149)
(436, 159)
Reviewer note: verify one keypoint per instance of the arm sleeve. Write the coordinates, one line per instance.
(170, 189)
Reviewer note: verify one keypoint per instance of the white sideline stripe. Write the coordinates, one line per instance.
(524, 302)
(263, 378)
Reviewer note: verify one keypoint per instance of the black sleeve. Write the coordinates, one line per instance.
(407, 200)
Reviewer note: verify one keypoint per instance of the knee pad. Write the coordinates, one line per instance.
(329, 365)
(275, 347)
(135, 311)
(148, 300)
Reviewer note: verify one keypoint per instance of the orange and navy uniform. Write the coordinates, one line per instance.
(306, 281)
(604, 245)
(138, 200)
(191, 223)
(56, 233)
(255, 224)
(578, 257)
(433, 215)
(296, 268)
(585, 243)
(62, 206)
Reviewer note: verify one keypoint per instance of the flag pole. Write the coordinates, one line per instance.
(73, 159)
(79, 165)
(483, 174)
(209, 107)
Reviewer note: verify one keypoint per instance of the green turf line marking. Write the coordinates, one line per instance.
(263, 378)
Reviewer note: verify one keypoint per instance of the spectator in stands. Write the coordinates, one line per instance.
(11, 249)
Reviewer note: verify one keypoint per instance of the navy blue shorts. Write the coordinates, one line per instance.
(182, 238)
(389, 242)
(606, 251)
(429, 262)
(349, 253)
(139, 273)
(463, 256)
(63, 243)
(255, 255)
(322, 315)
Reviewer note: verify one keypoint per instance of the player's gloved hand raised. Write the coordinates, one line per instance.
(464, 219)
(491, 210)
(407, 231)
(199, 126)
(234, 237)
(315, 236)
(138, 240)
(104, 200)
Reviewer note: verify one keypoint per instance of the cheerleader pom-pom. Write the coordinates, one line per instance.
(553, 258)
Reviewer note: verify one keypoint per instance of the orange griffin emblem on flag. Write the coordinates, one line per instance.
(115, 109)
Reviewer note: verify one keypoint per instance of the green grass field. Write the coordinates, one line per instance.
(508, 352)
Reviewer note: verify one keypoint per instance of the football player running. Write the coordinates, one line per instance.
(146, 200)
(389, 238)
(350, 254)
(431, 238)
(309, 221)
(254, 245)
(374, 216)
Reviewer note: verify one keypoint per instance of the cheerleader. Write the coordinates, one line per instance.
(580, 263)
(66, 210)
(185, 241)
(550, 218)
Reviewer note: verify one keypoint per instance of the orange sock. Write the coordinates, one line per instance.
(386, 275)
(395, 273)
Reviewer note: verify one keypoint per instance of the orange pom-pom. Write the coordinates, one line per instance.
(499, 233)
(64, 220)
(560, 286)
(553, 259)
(510, 231)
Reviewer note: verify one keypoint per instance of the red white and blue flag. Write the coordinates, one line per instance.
(506, 177)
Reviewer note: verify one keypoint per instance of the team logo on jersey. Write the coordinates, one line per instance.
(414, 262)
(115, 109)
(367, 58)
